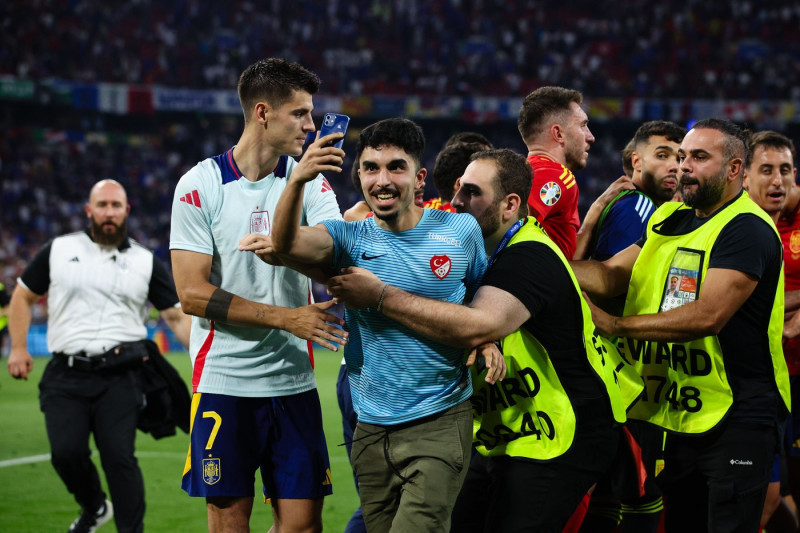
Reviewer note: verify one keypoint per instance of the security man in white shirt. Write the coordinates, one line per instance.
(98, 283)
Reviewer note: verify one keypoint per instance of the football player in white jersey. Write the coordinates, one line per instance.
(255, 403)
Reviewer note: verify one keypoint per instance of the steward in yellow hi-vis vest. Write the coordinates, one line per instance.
(687, 389)
(529, 414)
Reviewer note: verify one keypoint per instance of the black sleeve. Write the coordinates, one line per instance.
(535, 274)
(36, 275)
(747, 244)
(529, 271)
(162, 291)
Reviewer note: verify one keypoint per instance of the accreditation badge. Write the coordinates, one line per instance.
(683, 278)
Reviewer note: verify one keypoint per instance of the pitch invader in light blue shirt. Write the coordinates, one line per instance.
(410, 393)
(255, 404)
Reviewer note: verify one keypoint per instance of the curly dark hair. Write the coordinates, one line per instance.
(399, 132)
(450, 165)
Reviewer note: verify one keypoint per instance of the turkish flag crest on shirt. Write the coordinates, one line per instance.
(440, 265)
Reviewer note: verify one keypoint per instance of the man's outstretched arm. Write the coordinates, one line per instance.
(492, 314)
(724, 292)
(199, 297)
(608, 278)
(474, 326)
(303, 244)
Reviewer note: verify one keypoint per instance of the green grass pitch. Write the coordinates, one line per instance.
(34, 500)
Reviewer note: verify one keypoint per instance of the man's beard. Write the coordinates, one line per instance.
(573, 158)
(654, 189)
(392, 215)
(707, 194)
(106, 238)
(388, 217)
(488, 220)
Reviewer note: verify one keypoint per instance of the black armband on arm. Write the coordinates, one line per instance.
(218, 305)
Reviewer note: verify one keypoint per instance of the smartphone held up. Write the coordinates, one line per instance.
(331, 123)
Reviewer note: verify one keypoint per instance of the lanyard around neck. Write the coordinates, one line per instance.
(507, 237)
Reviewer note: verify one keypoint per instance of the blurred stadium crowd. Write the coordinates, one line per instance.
(737, 49)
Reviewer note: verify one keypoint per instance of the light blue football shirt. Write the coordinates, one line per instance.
(395, 374)
(213, 208)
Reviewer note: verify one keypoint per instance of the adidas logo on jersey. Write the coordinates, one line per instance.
(326, 186)
(192, 198)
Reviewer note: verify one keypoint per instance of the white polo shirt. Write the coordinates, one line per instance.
(96, 296)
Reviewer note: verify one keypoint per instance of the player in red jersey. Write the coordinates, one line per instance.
(556, 132)
(770, 180)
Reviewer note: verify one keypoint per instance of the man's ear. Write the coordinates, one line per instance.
(735, 168)
(511, 205)
(557, 133)
(261, 113)
(420, 178)
(636, 161)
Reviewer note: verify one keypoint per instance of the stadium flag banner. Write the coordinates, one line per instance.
(510, 107)
(166, 99)
(327, 104)
(140, 100)
(452, 105)
(84, 96)
(741, 110)
(417, 107)
(183, 100)
(358, 106)
(648, 109)
(679, 110)
(113, 98)
(14, 89)
(481, 109)
(709, 108)
(433, 107)
(227, 101)
(605, 108)
(131, 99)
(790, 112)
(54, 92)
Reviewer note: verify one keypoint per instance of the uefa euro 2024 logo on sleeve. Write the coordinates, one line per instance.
(550, 193)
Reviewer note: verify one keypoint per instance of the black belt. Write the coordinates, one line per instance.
(122, 357)
(81, 361)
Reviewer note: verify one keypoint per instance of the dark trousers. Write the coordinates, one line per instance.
(349, 422)
(76, 403)
(506, 494)
(717, 482)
